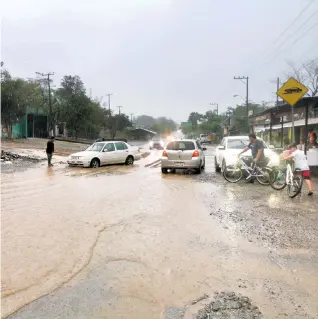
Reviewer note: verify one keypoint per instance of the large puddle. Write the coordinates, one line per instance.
(125, 242)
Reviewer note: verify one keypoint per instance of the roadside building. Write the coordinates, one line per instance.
(274, 125)
(34, 123)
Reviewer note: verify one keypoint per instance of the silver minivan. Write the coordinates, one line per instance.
(183, 154)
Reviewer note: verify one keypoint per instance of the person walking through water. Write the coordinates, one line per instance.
(50, 151)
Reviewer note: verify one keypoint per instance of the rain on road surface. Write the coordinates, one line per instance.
(127, 242)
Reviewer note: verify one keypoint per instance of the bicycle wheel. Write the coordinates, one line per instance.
(232, 173)
(265, 179)
(294, 190)
(278, 179)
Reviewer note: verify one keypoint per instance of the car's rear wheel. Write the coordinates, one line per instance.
(95, 163)
(164, 170)
(216, 165)
(129, 160)
(199, 169)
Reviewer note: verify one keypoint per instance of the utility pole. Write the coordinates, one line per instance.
(109, 95)
(277, 97)
(119, 107)
(241, 78)
(217, 107)
(131, 118)
(51, 124)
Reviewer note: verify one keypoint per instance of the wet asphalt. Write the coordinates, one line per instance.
(127, 242)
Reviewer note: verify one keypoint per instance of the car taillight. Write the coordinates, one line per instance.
(164, 154)
(196, 153)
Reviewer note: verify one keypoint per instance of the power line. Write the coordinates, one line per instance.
(293, 22)
(294, 42)
(287, 39)
(285, 30)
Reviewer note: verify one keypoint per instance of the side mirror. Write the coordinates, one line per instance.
(204, 148)
(221, 147)
(271, 146)
(105, 150)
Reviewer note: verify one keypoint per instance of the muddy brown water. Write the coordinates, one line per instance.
(126, 242)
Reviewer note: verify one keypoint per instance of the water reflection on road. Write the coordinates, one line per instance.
(125, 242)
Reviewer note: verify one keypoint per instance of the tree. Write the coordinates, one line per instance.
(119, 123)
(194, 118)
(145, 121)
(307, 74)
(74, 107)
(16, 95)
(164, 126)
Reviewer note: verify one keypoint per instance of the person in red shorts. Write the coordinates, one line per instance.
(301, 164)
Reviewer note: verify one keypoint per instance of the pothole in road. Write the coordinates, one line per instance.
(229, 305)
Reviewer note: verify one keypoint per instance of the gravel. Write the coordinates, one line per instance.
(11, 162)
(229, 305)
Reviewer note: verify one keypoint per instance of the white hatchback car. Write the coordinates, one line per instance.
(105, 153)
(231, 146)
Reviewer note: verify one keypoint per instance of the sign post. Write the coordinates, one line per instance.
(291, 92)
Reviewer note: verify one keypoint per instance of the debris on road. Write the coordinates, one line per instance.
(229, 305)
(9, 156)
(205, 296)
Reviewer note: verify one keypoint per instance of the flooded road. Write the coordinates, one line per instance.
(127, 242)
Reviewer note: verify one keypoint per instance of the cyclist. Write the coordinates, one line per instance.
(257, 148)
(301, 164)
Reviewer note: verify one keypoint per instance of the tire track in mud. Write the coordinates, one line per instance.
(84, 265)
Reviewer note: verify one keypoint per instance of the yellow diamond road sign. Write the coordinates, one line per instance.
(292, 91)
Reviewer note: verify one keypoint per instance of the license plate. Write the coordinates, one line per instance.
(179, 164)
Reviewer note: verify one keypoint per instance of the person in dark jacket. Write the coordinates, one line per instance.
(50, 151)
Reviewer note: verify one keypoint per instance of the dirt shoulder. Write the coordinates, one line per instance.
(62, 148)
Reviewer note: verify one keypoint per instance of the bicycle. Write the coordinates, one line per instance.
(262, 174)
(282, 177)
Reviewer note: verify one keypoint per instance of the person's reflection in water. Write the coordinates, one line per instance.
(50, 172)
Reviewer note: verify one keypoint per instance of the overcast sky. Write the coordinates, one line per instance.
(160, 57)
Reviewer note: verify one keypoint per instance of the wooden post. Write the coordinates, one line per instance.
(306, 129)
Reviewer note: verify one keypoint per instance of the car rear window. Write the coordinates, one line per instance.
(237, 144)
(181, 146)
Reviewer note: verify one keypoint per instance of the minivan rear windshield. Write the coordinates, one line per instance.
(181, 146)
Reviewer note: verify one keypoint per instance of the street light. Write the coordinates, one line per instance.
(217, 107)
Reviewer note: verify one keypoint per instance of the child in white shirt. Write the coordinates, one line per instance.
(301, 164)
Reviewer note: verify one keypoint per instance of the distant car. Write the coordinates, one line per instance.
(156, 143)
(204, 138)
(105, 153)
(293, 90)
(183, 154)
(231, 146)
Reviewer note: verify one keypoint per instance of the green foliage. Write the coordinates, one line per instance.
(210, 122)
(160, 125)
(16, 95)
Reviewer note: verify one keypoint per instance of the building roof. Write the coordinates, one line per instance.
(286, 107)
(144, 129)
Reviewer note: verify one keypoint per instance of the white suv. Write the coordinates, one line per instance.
(231, 146)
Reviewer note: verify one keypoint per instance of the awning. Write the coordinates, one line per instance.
(296, 123)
